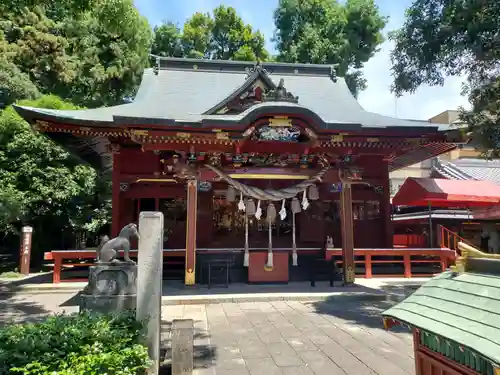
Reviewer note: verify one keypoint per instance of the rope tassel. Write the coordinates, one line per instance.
(269, 263)
(246, 257)
(294, 243)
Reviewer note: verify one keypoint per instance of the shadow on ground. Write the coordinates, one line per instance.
(204, 354)
(365, 313)
(16, 309)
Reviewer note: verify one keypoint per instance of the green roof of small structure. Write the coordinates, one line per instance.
(461, 307)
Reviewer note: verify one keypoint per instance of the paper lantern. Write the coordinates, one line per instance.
(231, 194)
(295, 206)
(313, 193)
(271, 213)
(250, 207)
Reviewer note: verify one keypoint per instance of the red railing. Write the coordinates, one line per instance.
(449, 239)
(409, 240)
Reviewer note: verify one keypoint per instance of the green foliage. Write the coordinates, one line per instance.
(329, 32)
(42, 183)
(90, 55)
(79, 344)
(222, 35)
(454, 38)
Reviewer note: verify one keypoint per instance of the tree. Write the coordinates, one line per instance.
(167, 41)
(91, 55)
(222, 35)
(442, 38)
(328, 32)
(45, 186)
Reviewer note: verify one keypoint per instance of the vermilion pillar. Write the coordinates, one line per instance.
(192, 198)
(347, 232)
(386, 209)
(115, 200)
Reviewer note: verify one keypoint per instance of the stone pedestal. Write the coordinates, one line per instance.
(112, 287)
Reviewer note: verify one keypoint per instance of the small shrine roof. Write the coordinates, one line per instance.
(460, 306)
(180, 92)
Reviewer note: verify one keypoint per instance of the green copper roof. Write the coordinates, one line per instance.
(464, 308)
(182, 91)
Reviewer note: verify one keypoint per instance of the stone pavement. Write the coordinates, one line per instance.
(283, 337)
(294, 338)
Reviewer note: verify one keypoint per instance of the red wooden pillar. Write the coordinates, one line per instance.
(115, 200)
(386, 210)
(192, 197)
(347, 232)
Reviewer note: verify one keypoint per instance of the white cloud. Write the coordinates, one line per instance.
(426, 102)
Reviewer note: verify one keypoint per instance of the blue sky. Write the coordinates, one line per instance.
(425, 103)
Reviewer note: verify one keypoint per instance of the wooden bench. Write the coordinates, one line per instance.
(182, 337)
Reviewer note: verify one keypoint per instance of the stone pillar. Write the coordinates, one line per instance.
(347, 232)
(115, 200)
(192, 197)
(149, 282)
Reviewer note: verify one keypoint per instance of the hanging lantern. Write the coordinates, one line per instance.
(313, 193)
(231, 194)
(295, 206)
(271, 213)
(250, 207)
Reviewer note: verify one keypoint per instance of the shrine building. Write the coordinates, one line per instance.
(267, 162)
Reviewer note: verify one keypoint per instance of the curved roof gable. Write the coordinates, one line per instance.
(189, 91)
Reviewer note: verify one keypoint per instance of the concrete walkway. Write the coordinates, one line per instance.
(266, 337)
(293, 338)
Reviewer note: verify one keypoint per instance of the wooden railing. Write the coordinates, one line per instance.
(449, 239)
(367, 258)
(364, 258)
(409, 240)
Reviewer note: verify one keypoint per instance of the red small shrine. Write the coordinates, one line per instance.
(269, 161)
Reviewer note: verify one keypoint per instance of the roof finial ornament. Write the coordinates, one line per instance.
(333, 73)
(280, 94)
(156, 68)
(257, 68)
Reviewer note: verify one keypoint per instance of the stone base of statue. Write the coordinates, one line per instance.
(112, 288)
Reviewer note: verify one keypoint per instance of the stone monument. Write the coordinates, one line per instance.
(112, 283)
(149, 282)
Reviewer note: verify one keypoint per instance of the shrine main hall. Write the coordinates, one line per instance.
(262, 164)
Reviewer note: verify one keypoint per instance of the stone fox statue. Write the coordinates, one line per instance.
(107, 252)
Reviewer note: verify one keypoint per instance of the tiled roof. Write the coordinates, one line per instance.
(469, 169)
(181, 91)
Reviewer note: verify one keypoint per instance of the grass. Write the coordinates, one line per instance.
(11, 275)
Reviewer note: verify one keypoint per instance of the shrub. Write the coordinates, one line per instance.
(77, 344)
